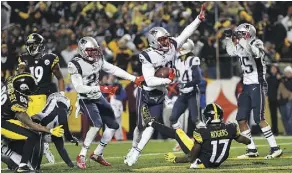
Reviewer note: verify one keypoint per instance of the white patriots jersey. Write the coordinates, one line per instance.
(254, 69)
(89, 73)
(158, 59)
(184, 71)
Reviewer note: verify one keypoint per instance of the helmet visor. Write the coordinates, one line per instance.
(164, 41)
(94, 53)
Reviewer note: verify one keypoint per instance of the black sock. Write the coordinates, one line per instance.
(166, 131)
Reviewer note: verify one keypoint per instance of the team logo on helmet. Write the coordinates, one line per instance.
(24, 87)
(83, 41)
(154, 32)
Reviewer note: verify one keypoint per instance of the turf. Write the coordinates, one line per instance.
(152, 159)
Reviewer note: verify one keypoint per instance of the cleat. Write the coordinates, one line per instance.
(128, 155)
(81, 163)
(99, 159)
(134, 157)
(24, 168)
(275, 152)
(50, 157)
(177, 147)
(250, 153)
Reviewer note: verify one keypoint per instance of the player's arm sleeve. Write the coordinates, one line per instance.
(196, 73)
(187, 32)
(109, 68)
(148, 72)
(59, 143)
(257, 48)
(197, 137)
(230, 47)
(77, 82)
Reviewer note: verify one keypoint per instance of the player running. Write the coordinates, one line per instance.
(162, 53)
(14, 103)
(43, 66)
(211, 144)
(189, 76)
(250, 51)
(84, 73)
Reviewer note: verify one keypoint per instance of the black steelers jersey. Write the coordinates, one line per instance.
(215, 142)
(12, 102)
(42, 70)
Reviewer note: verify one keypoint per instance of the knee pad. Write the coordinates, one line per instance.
(114, 125)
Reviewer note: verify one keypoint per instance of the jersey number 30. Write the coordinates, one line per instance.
(215, 148)
(37, 72)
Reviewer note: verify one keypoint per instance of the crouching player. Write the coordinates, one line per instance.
(211, 143)
(54, 114)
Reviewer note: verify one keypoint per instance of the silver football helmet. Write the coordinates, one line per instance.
(89, 49)
(187, 47)
(158, 38)
(246, 31)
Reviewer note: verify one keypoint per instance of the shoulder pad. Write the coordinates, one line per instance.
(257, 43)
(195, 61)
(51, 58)
(173, 41)
(144, 57)
(74, 67)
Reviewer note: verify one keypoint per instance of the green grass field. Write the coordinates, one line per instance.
(152, 159)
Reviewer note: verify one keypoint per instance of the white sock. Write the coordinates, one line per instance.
(247, 134)
(136, 137)
(177, 125)
(16, 158)
(269, 136)
(146, 135)
(90, 135)
(105, 139)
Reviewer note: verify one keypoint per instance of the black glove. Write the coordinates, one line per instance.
(227, 33)
(74, 140)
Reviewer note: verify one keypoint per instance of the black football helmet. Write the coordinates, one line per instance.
(34, 44)
(213, 113)
(24, 83)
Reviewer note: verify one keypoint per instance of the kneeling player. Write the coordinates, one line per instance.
(54, 114)
(14, 105)
(212, 142)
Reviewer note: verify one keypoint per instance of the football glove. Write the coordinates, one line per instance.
(171, 74)
(139, 79)
(57, 131)
(170, 157)
(202, 12)
(227, 33)
(109, 89)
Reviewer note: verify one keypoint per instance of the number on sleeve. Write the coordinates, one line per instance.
(3, 96)
(214, 150)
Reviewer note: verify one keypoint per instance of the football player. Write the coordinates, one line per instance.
(54, 114)
(189, 76)
(250, 50)
(42, 66)
(84, 71)
(162, 53)
(14, 103)
(211, 144)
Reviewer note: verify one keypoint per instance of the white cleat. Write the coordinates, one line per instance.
(133, 157)
(128, 155)
(275, 152)
(49, 155)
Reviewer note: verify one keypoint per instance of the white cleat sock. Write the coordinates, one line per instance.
(136, 137)
(247, 133)
(269, 136)
(105, 139)
(90, 135)
(146, 136)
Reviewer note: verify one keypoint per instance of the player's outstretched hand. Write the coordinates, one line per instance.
(109, 89)
(57, 131)
(139, 79)
(171, 74)
(170, 157)
(202, 12)
(228, 33)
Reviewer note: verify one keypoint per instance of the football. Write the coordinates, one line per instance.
(162, 72)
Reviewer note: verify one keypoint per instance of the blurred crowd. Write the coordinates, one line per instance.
(120, 28)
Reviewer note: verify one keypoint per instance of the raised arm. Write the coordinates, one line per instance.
(112, 69)
(189, 30)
